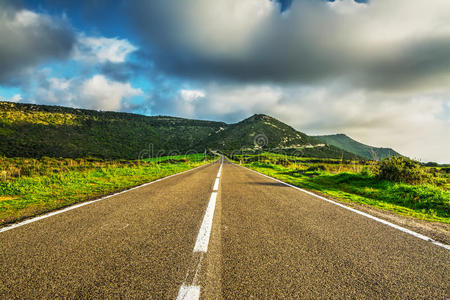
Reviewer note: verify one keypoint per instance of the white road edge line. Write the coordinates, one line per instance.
(57, 212)
(405, 230)
(189, 292)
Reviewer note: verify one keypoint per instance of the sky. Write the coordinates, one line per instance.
(378, 70)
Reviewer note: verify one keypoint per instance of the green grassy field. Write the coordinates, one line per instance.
(354, 181)
(29, 187)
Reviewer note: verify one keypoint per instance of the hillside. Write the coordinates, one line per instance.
(261, 132)
(346, 143)
(29, 130)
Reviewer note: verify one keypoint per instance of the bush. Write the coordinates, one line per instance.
(403, 169)
(317, 168)
(446, 170)
(366, 171)
(263, 165)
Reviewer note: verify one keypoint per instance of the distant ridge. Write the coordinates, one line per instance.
(345, 142)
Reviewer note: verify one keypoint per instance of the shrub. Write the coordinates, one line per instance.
(402, 169)
(317, 168)
(263, 165)
(445, 170)
(431, 164)
(366, 171)
(283, 162)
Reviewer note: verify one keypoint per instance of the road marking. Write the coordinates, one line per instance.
(201, 244)
(192, 290)
(9, 227)
(188, 292)
(216, 184)
(405, 230)
(220, 172)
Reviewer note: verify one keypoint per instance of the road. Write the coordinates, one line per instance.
(244, 236)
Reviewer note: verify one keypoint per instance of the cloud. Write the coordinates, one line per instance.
(97, 92)
(384, 44)
(102, 50)
(14, 98)
(55, 91)
(29, 39)
(191, 95)
(186, 102)
(101, 93)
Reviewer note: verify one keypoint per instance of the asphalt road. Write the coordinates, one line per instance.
(265, 241)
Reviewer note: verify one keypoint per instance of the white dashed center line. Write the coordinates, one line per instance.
(201, 245)
(189, 292)
(216, 184)
(192, 290)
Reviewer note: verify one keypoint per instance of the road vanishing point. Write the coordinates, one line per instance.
(219, 231)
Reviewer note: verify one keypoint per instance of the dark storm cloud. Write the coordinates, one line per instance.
(128, 70)
(414, 65)
(28, 39)
(119, 72)
(374, 45)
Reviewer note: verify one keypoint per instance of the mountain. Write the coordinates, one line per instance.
(259, 131)
(346, 143)
(264, 133)
(28, 130)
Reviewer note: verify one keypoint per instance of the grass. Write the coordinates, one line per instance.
(29, 187)
(357, 182)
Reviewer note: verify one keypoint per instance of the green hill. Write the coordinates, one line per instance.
(261, 132)
(344, 142)
(28, 130)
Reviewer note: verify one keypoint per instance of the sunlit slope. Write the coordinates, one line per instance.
(28, 130)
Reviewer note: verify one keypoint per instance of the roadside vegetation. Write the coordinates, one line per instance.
(29, 186)
(396, 184)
